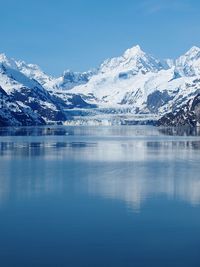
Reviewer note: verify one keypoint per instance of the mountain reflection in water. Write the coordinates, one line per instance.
(131, 170)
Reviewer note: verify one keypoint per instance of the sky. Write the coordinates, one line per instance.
(79, 34)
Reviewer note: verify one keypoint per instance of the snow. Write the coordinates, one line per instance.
(189, 64)
(33, 72)
(8, 62)
(142, 75)
(122, 84)
(133, 59)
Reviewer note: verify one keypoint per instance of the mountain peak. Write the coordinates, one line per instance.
(2, 56)
(133, 51)
(188, 64)
(7, 61)
(193, 50)
(133, 60)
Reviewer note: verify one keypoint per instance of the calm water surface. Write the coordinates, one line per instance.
(99, 197)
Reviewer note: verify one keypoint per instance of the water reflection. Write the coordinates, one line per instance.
(77, 131)
(126, 131)
(128, 170)
(33, 131)
(180, 131)
(137, 184)
(41, 149)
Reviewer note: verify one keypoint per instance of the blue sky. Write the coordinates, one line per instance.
(79, 34)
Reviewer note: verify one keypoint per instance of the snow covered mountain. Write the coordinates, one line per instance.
(71, 79)
(189, 64)
(24, 101)
(133, 61)
(143, 84)
(135, 84)
(188, 115)
(67, 81)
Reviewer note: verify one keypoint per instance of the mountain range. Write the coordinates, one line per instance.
(133, 88)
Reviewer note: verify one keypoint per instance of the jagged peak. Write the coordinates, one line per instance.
(22, 63)
(2, 57)
(133, 51)
(67, 71)
(192, 53)
(134, 59)
(193, 50)
(78, 73)
(188, 64)
(9, 62)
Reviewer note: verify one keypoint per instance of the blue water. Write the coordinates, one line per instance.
(99, 197)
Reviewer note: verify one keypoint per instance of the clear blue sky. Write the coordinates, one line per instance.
(79, 34)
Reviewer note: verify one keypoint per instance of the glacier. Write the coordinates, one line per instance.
(134, 88)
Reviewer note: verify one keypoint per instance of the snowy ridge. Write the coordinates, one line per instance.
(23, 100)
(143, 83)
(189, 64)
(135, 83)
(34, 72)
(134, 60)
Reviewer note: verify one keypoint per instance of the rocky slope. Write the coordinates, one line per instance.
(134, 84)
(142, 83)
(188, 115)
(24, 101)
